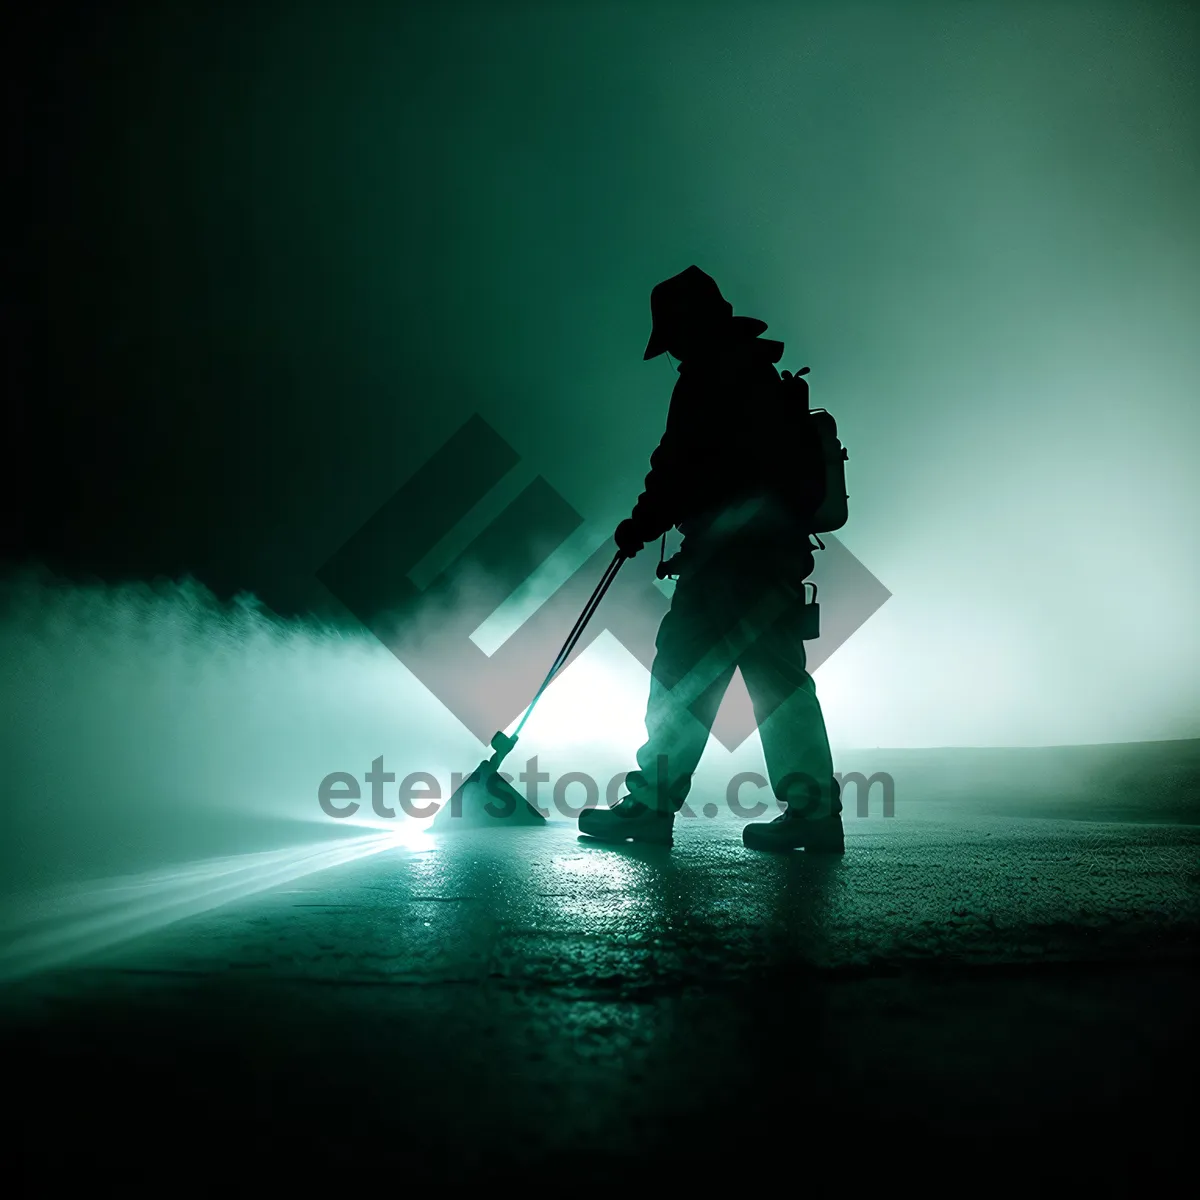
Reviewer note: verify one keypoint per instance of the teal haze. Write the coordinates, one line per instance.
(285, 255)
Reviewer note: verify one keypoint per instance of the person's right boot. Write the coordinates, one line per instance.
(821, 836)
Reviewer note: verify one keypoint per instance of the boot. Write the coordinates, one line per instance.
(822, 836)
(628, 820)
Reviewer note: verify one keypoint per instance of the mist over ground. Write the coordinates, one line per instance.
(154, 726)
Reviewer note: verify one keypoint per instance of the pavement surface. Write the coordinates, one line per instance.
(528, 1006)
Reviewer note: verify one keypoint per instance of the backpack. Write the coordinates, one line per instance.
(822, 458)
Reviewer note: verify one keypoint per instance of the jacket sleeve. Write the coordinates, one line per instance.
(657, 508)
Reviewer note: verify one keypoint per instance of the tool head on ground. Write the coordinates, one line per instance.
(486, 799)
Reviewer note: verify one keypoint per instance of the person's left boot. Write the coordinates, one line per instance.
(627, 820)
(821, 836)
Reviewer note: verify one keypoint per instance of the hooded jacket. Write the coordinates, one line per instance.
(733, 444)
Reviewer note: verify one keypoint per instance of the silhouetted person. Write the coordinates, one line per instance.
(734, 473)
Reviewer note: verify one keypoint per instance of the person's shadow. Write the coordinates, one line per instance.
(777, 907)
(742, 944)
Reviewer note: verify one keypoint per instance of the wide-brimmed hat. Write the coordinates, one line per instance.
(689, 300)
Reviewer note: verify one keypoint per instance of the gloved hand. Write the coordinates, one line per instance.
(628, 540)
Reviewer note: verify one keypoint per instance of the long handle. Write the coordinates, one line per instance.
(610, 573)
